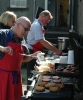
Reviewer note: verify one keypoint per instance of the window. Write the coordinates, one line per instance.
(18, 3)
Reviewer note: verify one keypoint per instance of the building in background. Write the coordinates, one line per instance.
(66, 12)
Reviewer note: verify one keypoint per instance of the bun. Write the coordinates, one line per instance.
(53, 89)
(42, 83)
(39, 88)
(49, 85)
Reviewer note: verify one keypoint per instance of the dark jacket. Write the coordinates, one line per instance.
(2, 26)
(7, 35)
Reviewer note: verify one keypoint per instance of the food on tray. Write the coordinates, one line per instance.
(40, 56)
(42, 83)
(47, 63)
(40, 88)
(54, 89)
(55, 77)
(46, 76)
(48, 85)
(66, 70)
(74, 67)
(60, 85)
(57, 81)
(59, 68)
(43, 68)
(46, 79)
(68, 67)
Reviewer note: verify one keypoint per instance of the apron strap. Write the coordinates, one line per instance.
(15, 75)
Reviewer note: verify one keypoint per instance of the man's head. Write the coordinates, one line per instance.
(22, 26)
(45, 16)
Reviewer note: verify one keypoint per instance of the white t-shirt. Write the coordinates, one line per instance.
(35, 34)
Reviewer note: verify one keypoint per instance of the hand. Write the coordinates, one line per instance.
(7, 50)
(58, 52)
(34, 55)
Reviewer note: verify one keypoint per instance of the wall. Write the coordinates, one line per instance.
(78, 16)
(28, 12)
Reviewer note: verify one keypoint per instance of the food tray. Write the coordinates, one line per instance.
(67, 74)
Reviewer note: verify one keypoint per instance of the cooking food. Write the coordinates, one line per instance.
(55, 77)
(46, 79)
(66, 70)
(48, 85)
(39, 88)
(57, 81)
(54, 89)
(42, 83)
(60, 85)
(59, 68)
(43, 68)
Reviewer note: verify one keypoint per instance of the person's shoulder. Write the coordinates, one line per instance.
(36, 24)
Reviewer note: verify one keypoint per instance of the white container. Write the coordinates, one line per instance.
(63, 59)
(71, 57)
(40, 56)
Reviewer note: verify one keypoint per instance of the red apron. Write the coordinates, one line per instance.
(38, 46)
(10, 78)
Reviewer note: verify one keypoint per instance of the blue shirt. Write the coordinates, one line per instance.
(7, 35)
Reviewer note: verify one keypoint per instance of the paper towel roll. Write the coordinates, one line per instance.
(71, 57)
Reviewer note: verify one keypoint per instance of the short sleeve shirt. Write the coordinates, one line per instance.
(35, 34)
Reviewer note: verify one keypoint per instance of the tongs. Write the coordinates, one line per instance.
(23, 54)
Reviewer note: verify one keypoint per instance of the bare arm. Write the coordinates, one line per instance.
(50, 46)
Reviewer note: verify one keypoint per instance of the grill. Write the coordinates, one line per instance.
(65, 93)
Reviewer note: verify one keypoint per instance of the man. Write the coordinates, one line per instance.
(35, 38)
(12, 54)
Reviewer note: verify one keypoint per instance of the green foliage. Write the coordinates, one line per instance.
(24, 65)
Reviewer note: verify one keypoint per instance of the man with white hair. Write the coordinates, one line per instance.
(12, 54)
(36, 37)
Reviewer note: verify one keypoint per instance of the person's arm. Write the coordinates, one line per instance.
(7, 49)
(3, 47)
(50, 46)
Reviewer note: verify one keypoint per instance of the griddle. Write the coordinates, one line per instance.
(65, 93)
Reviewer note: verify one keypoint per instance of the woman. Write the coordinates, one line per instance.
(7, 20)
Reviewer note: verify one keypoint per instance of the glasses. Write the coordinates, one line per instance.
(26, 29)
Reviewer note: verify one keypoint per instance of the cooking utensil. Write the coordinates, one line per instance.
(23, 54)
(29, 93)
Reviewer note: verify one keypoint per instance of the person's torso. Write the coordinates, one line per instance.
(35, 34)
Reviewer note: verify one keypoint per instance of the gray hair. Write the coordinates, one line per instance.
(7, 16)
(46, 13)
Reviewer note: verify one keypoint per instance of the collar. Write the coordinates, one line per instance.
(12, 36)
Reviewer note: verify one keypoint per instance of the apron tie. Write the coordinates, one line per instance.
(15, 75)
